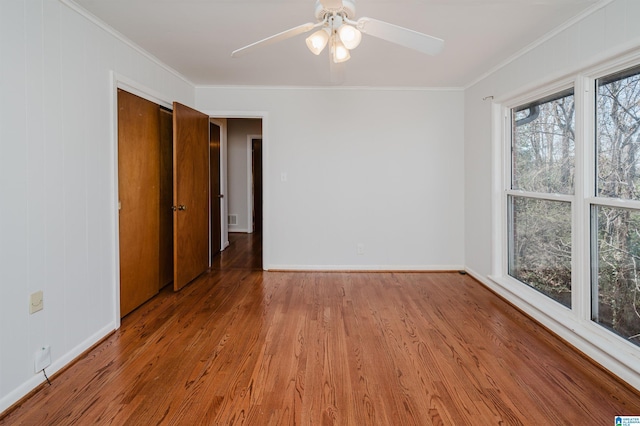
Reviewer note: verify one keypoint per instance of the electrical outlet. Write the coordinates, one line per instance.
(42, 359)
(360, 248)
(36, 302)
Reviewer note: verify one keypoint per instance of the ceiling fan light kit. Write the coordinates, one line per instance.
(339, 53)
(317, 41)
(350, 36)
(341, 36)
(344, 34)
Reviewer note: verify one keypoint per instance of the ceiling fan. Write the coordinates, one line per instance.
(337, 28)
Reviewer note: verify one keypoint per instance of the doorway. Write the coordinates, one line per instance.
(256, 183)
(216, 192)
(163, 183)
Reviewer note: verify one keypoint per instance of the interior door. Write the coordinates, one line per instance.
(166, 197)
(190, 194)
(216, 195)
(256, 154)
(138, 191)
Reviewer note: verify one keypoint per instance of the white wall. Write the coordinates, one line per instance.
(377, 167)
(239, 169)
(600, 36)
(381, 168)
(57, 208)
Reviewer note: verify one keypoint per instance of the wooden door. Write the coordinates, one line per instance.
(256, 154)
(216, 196)
(138, 189)
(190, 194)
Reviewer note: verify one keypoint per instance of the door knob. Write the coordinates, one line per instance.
(220, 195)
(174, 208)
(182, 207)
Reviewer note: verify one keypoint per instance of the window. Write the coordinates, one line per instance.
(566, 208)
(615, 213)
(540, 197)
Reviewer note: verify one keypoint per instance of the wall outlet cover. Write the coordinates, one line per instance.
(42, 359)
(36, 302)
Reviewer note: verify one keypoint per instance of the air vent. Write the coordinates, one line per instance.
(232, 219)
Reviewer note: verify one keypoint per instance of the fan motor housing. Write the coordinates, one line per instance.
(348, 10)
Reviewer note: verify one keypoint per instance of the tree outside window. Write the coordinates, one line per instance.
(543, 166)
(615, 235)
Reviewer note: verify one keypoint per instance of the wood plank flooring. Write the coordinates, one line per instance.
(243, 346)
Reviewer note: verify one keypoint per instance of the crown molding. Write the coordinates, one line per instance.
(104, 26)
(571, 22)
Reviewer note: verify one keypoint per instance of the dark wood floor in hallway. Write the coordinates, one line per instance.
(243, 346)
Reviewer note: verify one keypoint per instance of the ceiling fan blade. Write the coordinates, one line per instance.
(402, 36)
(331, 4)
(300, 29)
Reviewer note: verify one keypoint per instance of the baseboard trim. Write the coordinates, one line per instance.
(573, 333)
(365, 268)
(23, 392)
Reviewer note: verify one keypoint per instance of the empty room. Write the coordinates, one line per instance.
(348, 212)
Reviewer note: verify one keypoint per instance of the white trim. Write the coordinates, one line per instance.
(331, 88)
(615, 202)
(138, 89)
(224, 226)
(25, 387)
(571, 22)
(580, 235)
(115, 219)
(121, 82)
(535, 91)
(365, 268)
(498, 195)
(232, 229)
(574, 325)
(104, 26)
(585, 336)
(541, 195)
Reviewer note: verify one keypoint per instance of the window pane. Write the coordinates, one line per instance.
(618, 135)
(540, 246)
(543, 145)
(616, 278)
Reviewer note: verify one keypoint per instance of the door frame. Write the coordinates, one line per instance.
(264, 117)
(250, 197)
(224, 226)
(119, 81)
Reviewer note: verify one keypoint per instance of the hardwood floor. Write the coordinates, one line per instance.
(244, 252)
(243, 346)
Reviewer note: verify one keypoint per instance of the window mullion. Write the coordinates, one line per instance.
(541, 195)
(584, 184)
(501, 128)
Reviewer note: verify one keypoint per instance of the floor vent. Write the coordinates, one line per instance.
(233, 219)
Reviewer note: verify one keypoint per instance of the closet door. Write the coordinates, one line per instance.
(190, 194)
(138, 189)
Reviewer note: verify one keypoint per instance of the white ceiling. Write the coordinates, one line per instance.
(196, 38)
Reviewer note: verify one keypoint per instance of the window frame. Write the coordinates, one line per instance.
(572, 324)
(591, 196)
(534, 297)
